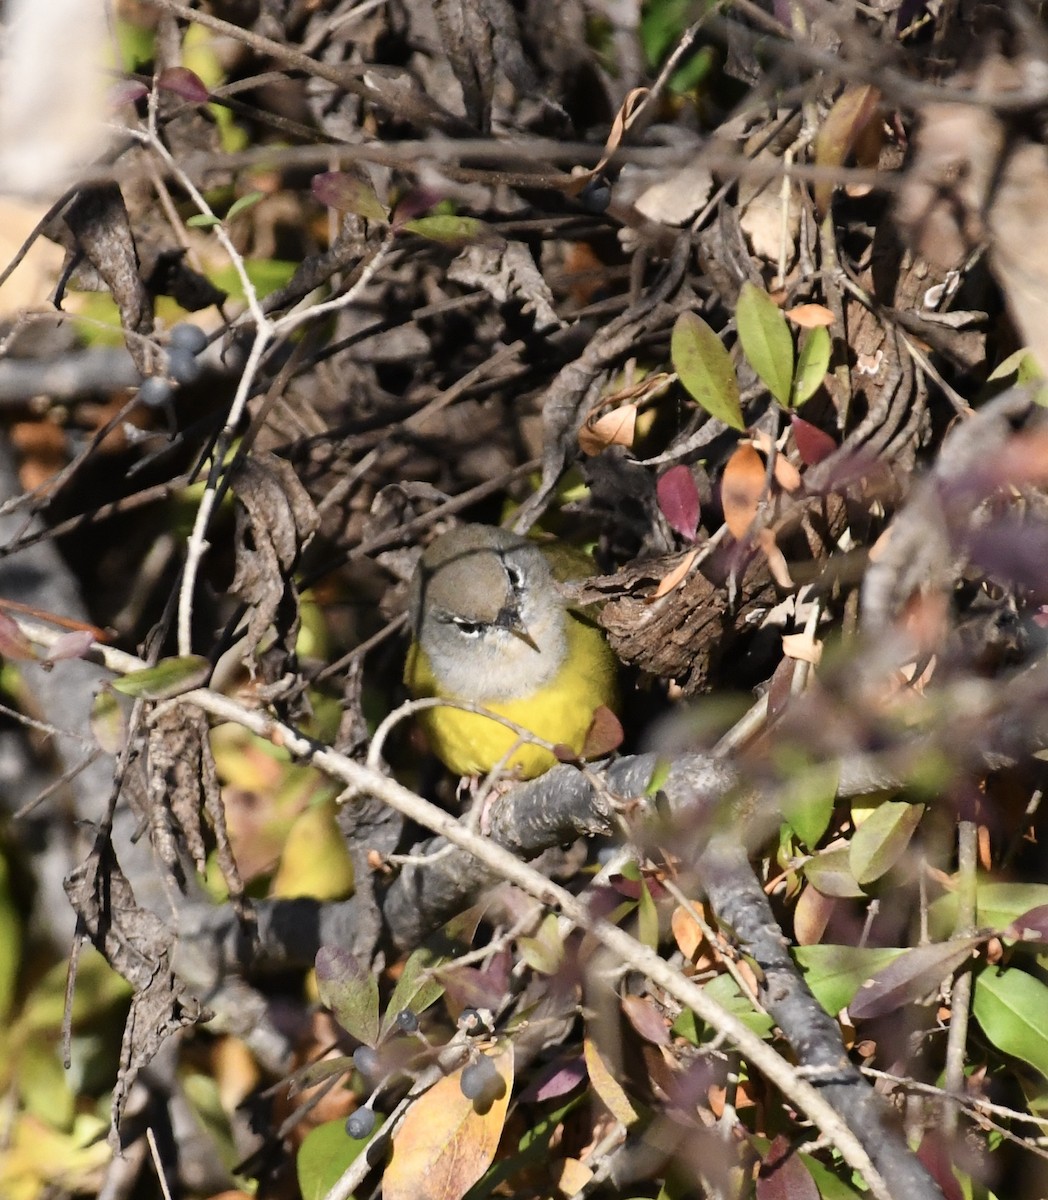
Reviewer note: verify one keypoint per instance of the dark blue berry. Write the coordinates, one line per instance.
(155, 392)
(187, 337)
(360, 1124)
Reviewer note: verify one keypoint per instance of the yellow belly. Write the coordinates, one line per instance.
(561, 712)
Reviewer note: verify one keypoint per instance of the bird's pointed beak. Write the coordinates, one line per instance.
(510, 620)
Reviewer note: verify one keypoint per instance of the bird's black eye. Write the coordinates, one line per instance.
(468, 628)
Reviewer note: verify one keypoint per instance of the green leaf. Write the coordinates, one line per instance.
(647, 918)
(324, 1155)
(545, 951)
(830, 872)
(350, 990)
(813, 361)
(705, 369)
(1022, 364)
(830, 1187)
(997, 905)
(10, 943)
(729, 996)
(170, 677)
(417, 987)
(835, 973)
(881, 840)
(243, 204)
(1012, 1008)
(807, 800)
(766, 340)
(452, 230)
(203, 221)
(265, 274)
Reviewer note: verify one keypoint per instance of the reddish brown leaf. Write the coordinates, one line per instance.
(348, 191)
(937, 1157)
(742, 486)
(783, 1176)
(646, 1020)
(687, 932)
(415, 203)
(604, 734)
(812, 444)
(1032, 926)
(811, 916)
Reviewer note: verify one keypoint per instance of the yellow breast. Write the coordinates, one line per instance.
(561, 712)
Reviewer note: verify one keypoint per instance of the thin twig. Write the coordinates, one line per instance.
(360, 779)
(960, 1006)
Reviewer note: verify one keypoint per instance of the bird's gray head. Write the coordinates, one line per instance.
(487, 613)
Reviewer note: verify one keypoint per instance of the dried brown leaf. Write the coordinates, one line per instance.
(672, 578)
(810, 316)
(616, 428)
(742, 488)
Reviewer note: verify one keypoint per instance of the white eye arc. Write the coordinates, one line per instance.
(515, 575)
(467, 628)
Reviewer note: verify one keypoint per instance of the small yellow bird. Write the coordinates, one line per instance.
(491, 628)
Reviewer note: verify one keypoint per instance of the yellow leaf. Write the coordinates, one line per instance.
(315, 861)
(444, 1144)
(607, 1086)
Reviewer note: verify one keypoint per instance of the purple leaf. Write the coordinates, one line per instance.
(348, 987)
(128, 91)
(414, 204)
(910, 977)
(71, 645)
(679, 500)
(1013, 551)
(554, 1081)
(1032, 926)
(185, 83)
(348, 192)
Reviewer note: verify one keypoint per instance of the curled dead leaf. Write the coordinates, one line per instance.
(841, 134)
(803, 647)
(777, 564)
(623, 119)
(615, 428)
